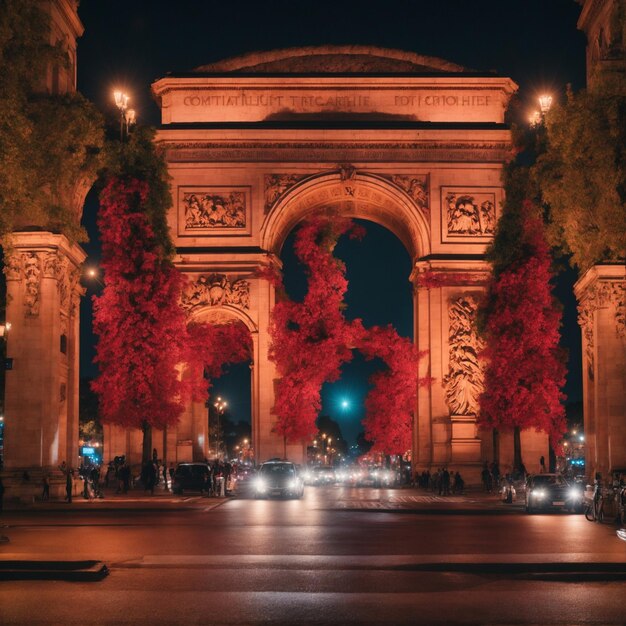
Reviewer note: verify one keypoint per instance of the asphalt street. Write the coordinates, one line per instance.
(339, 556)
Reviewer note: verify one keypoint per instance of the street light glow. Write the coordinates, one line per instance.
(545, 102)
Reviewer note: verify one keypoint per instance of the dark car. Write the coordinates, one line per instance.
(544, 491)
(278, 478)
(190, 477)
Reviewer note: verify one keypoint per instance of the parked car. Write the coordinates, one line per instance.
(278, 478)
(544, 491)
(190, 477)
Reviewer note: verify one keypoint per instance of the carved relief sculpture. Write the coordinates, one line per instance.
(276, 185)
(32, 283)
(464, 382)
(602, 295)
(216, 290)
(416, 186)
(214, 210)
(13, 267)
(470, 215)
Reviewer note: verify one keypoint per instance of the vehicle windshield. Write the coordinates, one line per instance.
(277, 468)
(549, 480)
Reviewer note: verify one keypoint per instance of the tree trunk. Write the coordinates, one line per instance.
(517, 449)
(146, 450)
(496, 445)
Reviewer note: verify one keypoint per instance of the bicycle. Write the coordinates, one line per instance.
(594, 511)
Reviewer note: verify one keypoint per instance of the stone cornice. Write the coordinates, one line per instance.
(411, 152)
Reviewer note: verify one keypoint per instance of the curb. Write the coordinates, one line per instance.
(83, 571)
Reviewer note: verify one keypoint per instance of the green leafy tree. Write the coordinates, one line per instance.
(582, 174)
(50, 144)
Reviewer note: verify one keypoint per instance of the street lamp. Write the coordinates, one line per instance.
(545, 102)
(92, 274)
(127, 116)
(220, 405)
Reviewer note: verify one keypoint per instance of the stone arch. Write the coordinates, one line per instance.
(355, 194)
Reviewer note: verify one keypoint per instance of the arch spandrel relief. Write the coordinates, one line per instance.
(360, 194)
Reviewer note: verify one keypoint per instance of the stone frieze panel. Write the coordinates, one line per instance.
(307, 152)
(468, 214)
(213, 211)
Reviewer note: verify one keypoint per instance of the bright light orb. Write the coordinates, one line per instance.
(345, 404)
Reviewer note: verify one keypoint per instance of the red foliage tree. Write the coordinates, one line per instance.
(137, 319)
(526, 371)
(390, 404)
(209, 347)
(311, 340)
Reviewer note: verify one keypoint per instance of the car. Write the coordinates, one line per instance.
(190, 477)
(544, 491)
(278, 478)
(324, 475)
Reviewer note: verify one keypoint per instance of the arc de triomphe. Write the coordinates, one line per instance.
(257, 143)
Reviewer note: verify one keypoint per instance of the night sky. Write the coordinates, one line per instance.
(130, 44)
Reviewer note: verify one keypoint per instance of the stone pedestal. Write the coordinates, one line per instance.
(601, 294)
(41, 397)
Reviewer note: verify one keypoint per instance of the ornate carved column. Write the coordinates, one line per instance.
(43, 297)
(463, 383)
(445, 305)
(601, 294)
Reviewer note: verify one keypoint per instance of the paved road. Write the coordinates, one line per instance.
(339, 556)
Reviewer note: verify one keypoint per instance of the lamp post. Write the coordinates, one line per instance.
(220, 405)
(127, 116)
(4, 334)
(545, 103)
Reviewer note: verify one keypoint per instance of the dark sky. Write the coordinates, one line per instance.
(130, 44)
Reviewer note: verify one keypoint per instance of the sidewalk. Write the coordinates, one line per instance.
(136, 499)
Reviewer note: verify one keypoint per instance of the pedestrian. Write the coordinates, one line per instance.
(125, 474)
(109, 473)
(45, 483)
(165, 476)
(69, 475)
(542, 465)
(445, 482)
(459, 484)
(1, 494)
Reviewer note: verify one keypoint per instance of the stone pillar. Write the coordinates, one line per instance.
(267, 444)
(422, 452)
(41, 399)
(601, 294)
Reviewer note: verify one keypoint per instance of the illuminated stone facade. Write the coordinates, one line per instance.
(601, 290)
(413, 143)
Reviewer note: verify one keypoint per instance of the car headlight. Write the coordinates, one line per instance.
(575, 494)
(539, 493)
(308, 476)
(260, 485)
(293, 484)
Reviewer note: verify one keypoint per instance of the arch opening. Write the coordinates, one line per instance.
(379, 292)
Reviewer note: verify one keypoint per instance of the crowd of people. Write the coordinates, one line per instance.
(442, 482)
